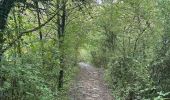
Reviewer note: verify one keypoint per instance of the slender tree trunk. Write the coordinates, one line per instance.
(61, 30)
(40, 33)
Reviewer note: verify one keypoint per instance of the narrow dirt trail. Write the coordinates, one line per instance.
(90, 85)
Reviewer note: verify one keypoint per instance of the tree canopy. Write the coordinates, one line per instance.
(42, 42)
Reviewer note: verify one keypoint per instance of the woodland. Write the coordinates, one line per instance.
(42, 42)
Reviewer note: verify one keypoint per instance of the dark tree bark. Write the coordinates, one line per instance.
(61, 30)
(40, 32)
(5, 7)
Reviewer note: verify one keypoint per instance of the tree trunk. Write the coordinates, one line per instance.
(61, 29)
(40, 32)
(5, 7)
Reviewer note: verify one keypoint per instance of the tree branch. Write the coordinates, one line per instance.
(28, 31)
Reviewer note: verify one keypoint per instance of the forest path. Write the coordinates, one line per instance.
(90, 84)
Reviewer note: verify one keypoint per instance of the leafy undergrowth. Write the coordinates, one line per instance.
(64, 94)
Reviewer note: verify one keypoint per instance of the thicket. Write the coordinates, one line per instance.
(39, 42)
(133, 47)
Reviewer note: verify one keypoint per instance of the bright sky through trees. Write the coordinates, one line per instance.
(99, 1)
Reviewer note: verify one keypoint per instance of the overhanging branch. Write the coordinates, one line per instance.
(28, 31)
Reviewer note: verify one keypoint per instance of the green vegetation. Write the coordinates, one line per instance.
(41, 42)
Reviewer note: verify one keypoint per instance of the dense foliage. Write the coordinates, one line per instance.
(39, 47)
(41, 42)
(134, 48)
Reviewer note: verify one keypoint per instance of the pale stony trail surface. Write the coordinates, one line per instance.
(90, 85)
